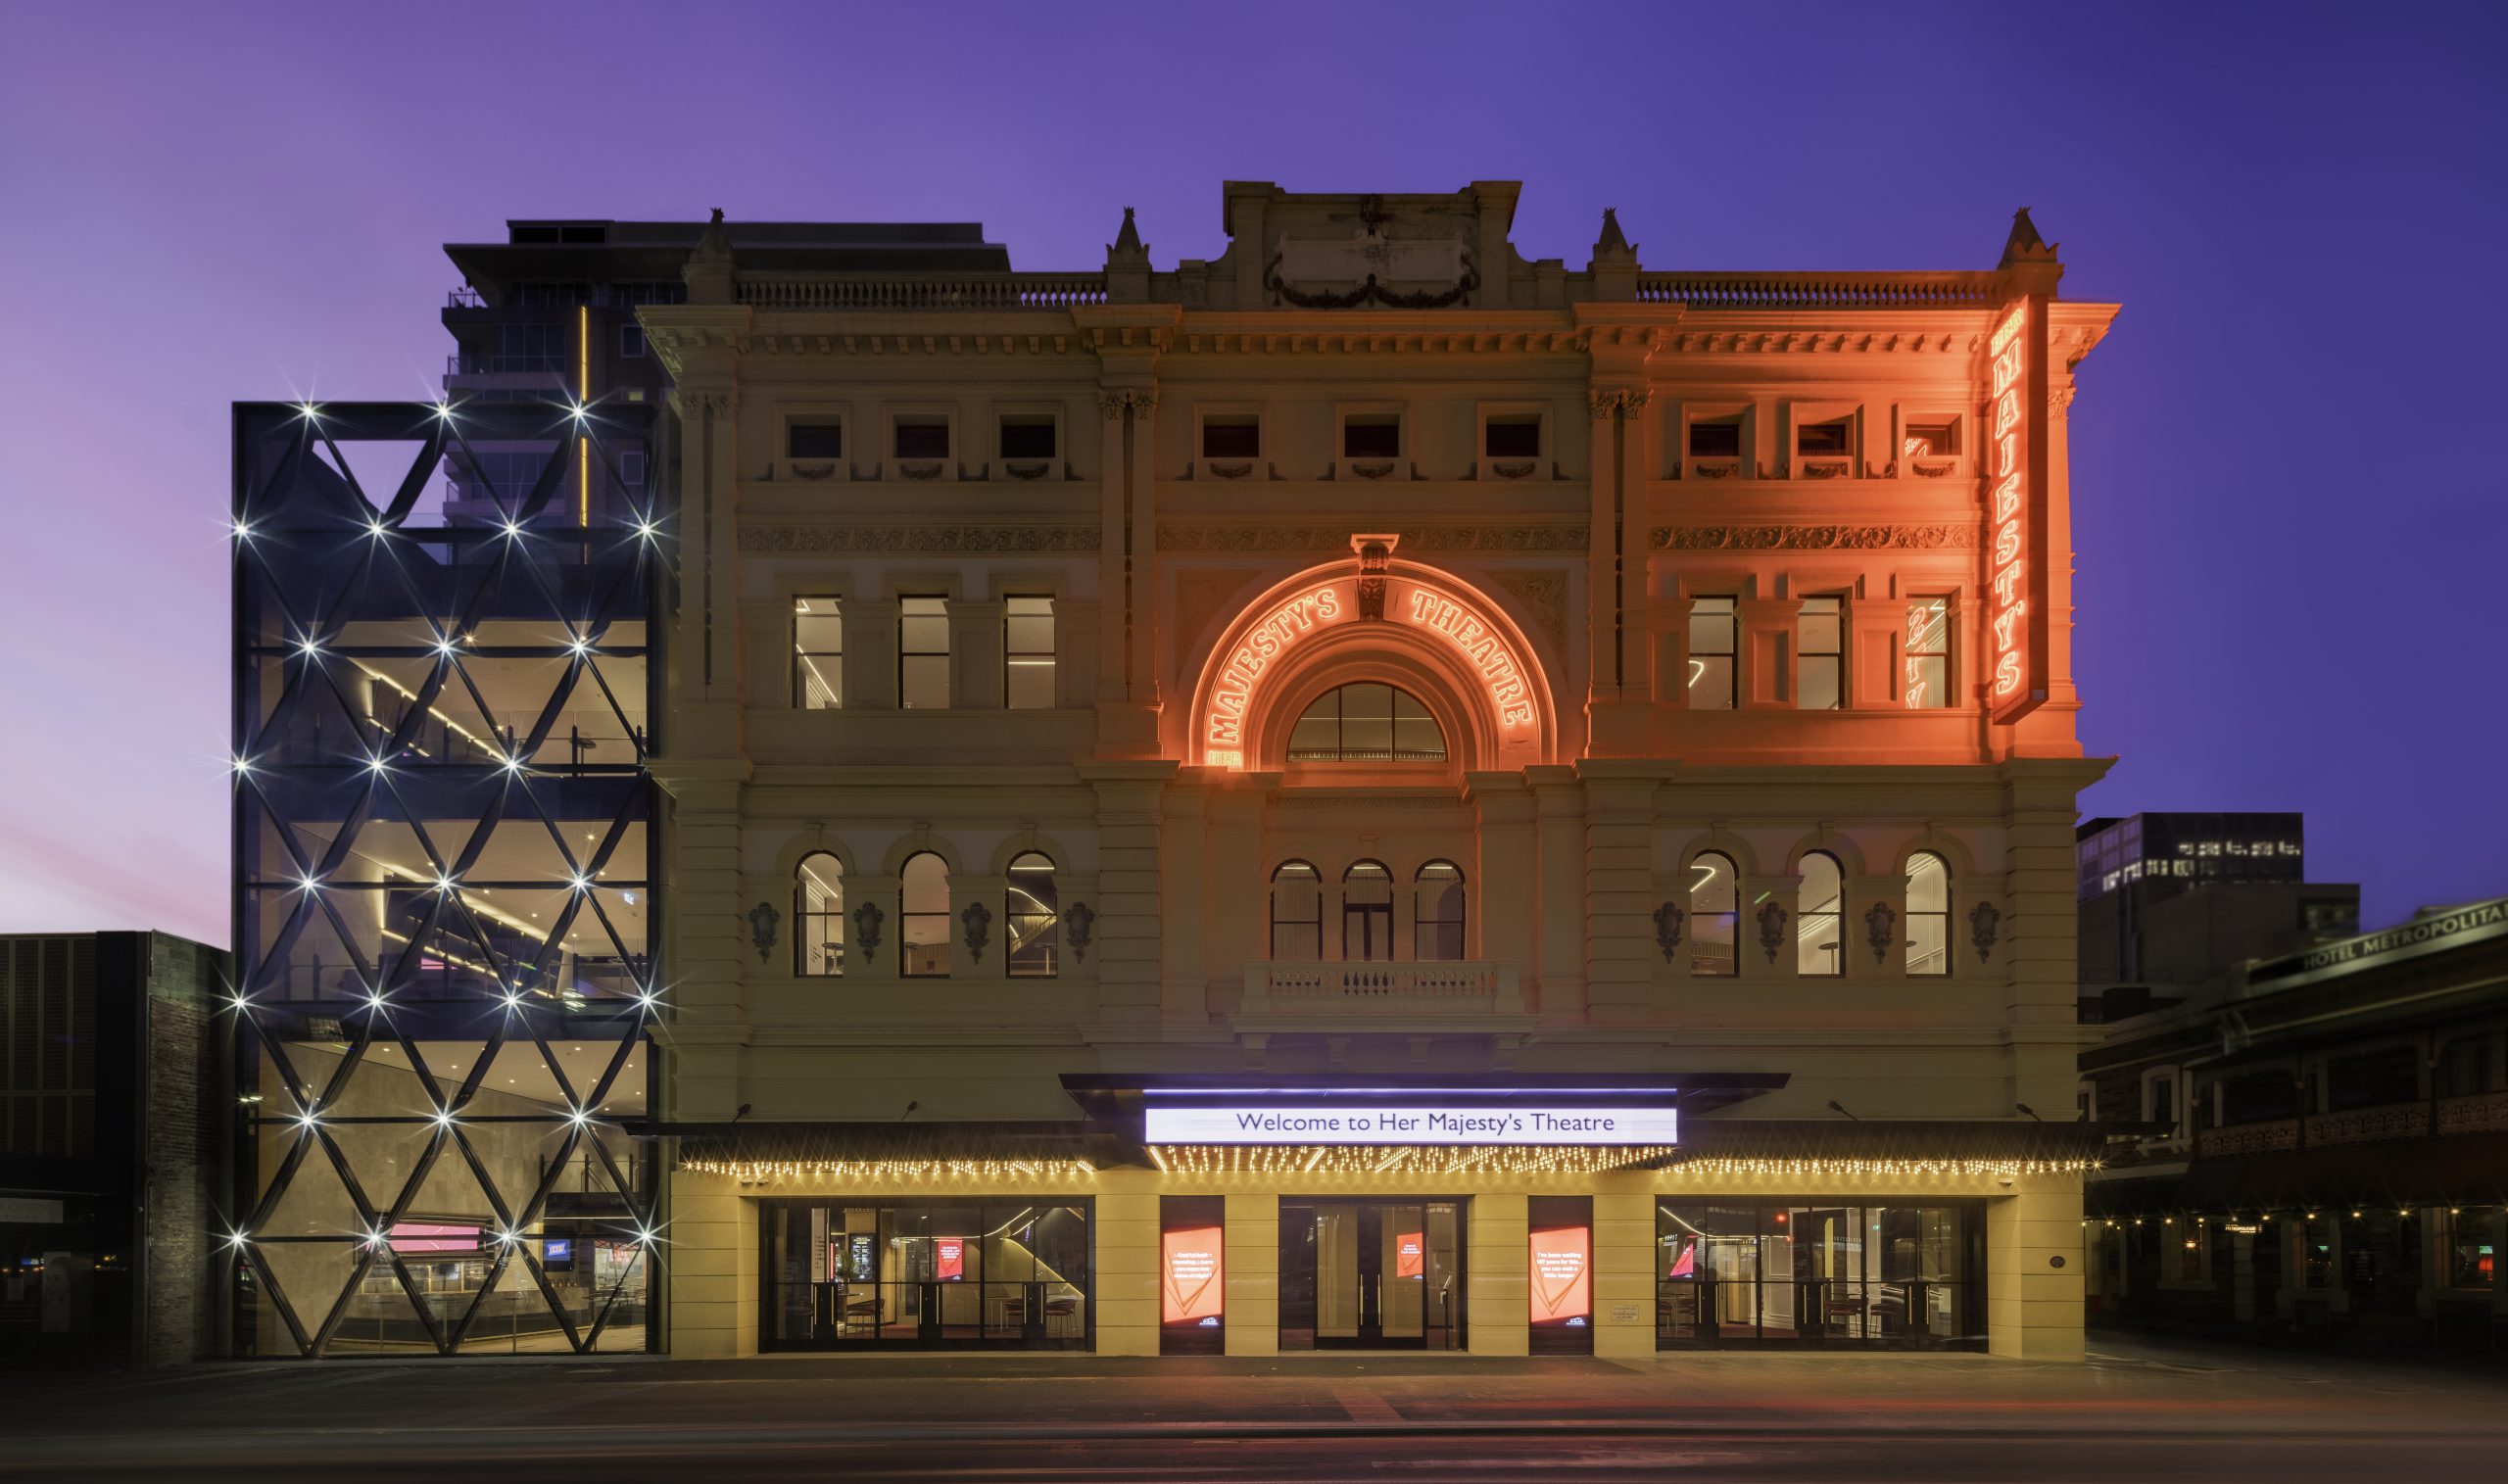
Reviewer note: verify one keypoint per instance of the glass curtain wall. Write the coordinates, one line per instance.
(1883, 1277)
(443, 877)
(996, 1274)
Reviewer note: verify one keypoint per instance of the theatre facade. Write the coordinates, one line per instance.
(1367, 791)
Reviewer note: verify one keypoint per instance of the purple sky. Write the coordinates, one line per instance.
(2287, 494)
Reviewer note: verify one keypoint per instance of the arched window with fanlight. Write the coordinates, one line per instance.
(1820, 909)
(1033, 913)
(818, 917)
(1715, 914)
(1436, 913)
(923, 916)
(1366, 913)
(1297, 913)
(1366, 722)
(1928, 914)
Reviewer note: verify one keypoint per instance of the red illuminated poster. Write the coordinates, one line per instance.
(1192, 1281)
(1408, 1248)
(1686, 1264)
(1562, 1291)
(948, 1259)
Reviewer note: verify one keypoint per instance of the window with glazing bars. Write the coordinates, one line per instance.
(1712, 622)
(923, 653)
(818, 653)
(1028, 653)
(1819, 665)
(1926, 682)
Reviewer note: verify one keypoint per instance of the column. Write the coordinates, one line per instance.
(1558, 943)
(1252, 1257)
(1128, 934)
(870, 653)
(712, 1272)
(2039, 928)
(976, 657)
(1620, 890)
(1126, 1262)
(2034, 1272)
(701, 893)
(1183, 969)
(1763, 641)
(1114, 530)
(1505, 889)
(1501, 1319)
(1624, 1271)
(1076, 644)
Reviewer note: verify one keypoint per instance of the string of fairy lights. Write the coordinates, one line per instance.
(1203, 1160)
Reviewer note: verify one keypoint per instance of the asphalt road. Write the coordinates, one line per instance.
(2141, 1414)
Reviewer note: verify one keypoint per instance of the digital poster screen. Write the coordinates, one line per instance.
(1410, 1250)
(1563, 1292)
(1192, 1276)
(950, 1259)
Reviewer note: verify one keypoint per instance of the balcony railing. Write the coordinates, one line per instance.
(1460, 993)
(2268, 1138)
(1818, 291)
(2368, 1125)
(921, 291)
(2481, 1112)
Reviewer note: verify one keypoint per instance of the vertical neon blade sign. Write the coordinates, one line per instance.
(2015, 548)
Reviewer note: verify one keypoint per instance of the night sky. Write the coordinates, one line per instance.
(2287, 471)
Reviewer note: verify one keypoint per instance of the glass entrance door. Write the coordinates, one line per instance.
(1359, 1274)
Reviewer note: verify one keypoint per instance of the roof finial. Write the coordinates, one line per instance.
(1614, 239)
(719, 216)
(2024, 245)
(1128, 240)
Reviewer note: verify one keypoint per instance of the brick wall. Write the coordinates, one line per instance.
(181, 1175)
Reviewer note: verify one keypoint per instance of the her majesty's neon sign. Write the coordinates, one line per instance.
(1476, 639)
(2016, 552)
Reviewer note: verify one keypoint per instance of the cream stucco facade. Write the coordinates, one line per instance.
(1562, 479)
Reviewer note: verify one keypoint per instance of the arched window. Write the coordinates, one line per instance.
(1034, 917)
(1436, 913)
(1818, 911)
(1297, 913)
(923, 916)
(1928, 914)
(1714, 890)
(1366, 913)
(1366, 722)
(818, 916)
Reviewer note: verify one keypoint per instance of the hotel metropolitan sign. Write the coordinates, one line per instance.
(2435, 934)
(1327, 1122)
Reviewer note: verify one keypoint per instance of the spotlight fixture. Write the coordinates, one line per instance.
(243, 530)
(512, 527)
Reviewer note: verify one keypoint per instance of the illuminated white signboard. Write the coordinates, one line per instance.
(1328, 1122)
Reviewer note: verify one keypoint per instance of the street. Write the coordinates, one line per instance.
(2137, 1411)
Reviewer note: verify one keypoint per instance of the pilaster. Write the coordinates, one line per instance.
(976, 656)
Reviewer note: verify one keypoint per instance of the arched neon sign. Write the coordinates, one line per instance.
(1480, 641)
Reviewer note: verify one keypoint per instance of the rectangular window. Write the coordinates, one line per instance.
(1834, 439)
(814, 440)
(1932, 438)
(2467, 1252)
(923, 653)
(1926, 679)
(631, 341)
(2464, 1068)
(1820, 641)
(1716, 438)
(2185, 1251)
(631, 470)
(1028, 653)
(922, 438)
(818, 654)
(2159, 1104)
(1231, 435)
(1371, 435)
(1027, 436)
(1712, 625)
(1518, 435)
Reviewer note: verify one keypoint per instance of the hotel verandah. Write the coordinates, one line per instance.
(1443, 682)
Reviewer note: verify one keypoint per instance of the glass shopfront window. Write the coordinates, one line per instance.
(1888, 1277)
(997, 1273)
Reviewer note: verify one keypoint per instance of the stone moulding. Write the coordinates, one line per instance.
(921, 537)
(1313, 538)
(1854, 537)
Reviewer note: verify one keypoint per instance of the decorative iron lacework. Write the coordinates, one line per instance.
(444, 876)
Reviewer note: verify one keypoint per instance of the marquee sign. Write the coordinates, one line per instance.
(1368, 1122)
(1476, 638)
(2017, 513)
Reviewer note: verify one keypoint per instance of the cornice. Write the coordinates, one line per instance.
(1948, 536)
(852, 536)
(1226, 535)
